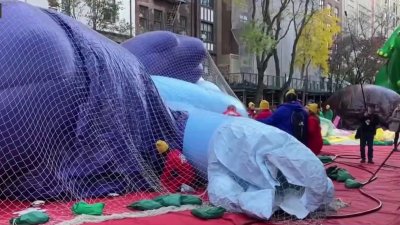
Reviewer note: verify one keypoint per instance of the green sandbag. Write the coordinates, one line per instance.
(325, 159)
(32, 218)
(207, 213)
(169, 200)
(145, 205)
(350, 183)
(326, 142)
(332, 172)
(191, 200)
(343, 175)
(83, 208)
(383, 143)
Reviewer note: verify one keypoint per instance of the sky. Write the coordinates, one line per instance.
(40, 3)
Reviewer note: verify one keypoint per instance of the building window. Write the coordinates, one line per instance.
(110, 12)
(183, 24)
(207, 14)
(207, 3)
(207, 32)
(158, 20)
(143, 18)
(206, 67)
(321, 4)
(328, 6)
(243, 18)
(336, 11)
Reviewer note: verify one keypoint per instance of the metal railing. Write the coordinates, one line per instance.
(249, 81)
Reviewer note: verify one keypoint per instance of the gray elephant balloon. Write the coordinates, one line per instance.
(348, 103)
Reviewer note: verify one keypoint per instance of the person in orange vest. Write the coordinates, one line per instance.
(177, 170)
(264, 112)
(314, 135)
(251, 110)
(231, 111)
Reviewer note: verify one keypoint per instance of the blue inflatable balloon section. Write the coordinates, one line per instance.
(204, 106)
(206, 98)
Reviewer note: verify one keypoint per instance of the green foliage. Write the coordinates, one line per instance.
(256, 40)
(102, 15)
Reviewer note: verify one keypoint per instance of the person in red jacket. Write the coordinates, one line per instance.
(315, 141)
(177, 170)
(251, 110)
(264, 112)
(231, 111)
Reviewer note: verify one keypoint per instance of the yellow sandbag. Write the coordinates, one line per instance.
(380, 135)
(352, 136)
(389, 135)
(335, 139)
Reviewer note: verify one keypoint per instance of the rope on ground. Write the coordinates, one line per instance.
(96, 219)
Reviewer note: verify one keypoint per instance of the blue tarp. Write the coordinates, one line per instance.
(79, 116)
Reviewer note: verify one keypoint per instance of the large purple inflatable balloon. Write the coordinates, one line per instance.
(79, 115)
(168, 54)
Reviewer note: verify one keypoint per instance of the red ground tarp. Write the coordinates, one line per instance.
(386, 188)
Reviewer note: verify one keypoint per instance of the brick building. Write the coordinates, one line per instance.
(193, 18)
(169, 15)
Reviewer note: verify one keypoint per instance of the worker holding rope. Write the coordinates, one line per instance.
(395, 126)
(367, 133)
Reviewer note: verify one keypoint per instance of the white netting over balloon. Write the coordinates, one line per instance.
(83, 119)
(80, 115)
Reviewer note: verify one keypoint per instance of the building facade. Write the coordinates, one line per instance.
(387, 16)
(171, 15)
(370, 18)
(230, 21)
(335, 5)
(361, 15)
(206, 24)
(195, 18)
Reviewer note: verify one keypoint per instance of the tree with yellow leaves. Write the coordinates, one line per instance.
(316, 41)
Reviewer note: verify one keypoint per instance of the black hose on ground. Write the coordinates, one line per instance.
(363, 192)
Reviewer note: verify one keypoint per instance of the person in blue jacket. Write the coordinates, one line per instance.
(290, 117)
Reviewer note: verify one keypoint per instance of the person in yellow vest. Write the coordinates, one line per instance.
(264, 112)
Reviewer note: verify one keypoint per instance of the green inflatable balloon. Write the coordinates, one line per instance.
(389, 75)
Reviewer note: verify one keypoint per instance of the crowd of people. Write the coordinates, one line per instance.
(292, 117)
(303, 123)
(297, 120)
